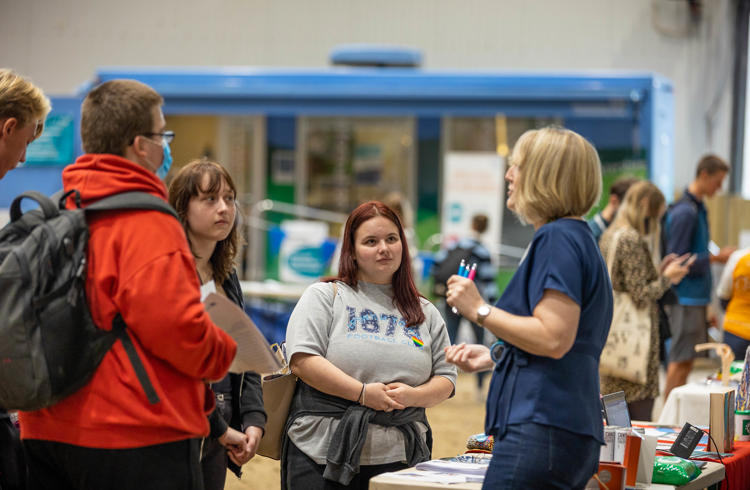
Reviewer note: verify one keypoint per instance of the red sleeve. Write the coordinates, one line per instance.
(141, 266)
(161, 305)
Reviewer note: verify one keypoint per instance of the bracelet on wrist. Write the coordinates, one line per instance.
(361, 395)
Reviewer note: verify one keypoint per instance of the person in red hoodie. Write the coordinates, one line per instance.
(108, 434)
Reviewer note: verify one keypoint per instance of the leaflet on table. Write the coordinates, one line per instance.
(253, 351)
(433, 477)
(456, 467)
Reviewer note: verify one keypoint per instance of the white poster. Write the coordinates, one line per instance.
(473, 182)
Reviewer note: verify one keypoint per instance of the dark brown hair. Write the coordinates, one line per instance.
(186, 185)
(406, 297)
(114, 113)
(620, 187)
(479, 223)
(711, 164)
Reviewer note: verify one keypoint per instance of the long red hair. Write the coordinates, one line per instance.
(406, 297)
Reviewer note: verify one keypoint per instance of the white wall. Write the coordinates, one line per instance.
(60, 43)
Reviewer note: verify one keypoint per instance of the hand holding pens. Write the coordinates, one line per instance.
(465, 271)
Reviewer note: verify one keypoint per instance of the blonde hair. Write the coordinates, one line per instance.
(21, 99)
(640, 208)
(559, 175)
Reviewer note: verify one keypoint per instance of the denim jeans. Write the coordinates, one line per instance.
(533, 456)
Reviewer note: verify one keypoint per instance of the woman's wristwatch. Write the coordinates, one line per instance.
(482, 313)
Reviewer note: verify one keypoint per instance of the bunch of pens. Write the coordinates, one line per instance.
(465, 271)
(743, 397)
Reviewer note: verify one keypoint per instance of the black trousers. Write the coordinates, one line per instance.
(303, 472)
(214, 464)
(170, 466)
(12, 464)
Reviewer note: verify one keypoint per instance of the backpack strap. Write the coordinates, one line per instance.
(120, 330)
(47, 205)
(132, 200)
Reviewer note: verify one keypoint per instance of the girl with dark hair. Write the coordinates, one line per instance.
(369, 352)
(203, 194)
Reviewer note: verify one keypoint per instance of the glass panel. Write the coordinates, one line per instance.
(351, 160)
(229, 142)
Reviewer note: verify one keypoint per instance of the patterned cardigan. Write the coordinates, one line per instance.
(633, 271)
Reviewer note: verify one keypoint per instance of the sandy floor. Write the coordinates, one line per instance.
(452, 423)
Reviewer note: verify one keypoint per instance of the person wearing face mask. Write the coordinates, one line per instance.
(368, 350)
(111, 433)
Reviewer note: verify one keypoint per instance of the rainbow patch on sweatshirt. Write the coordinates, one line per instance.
(418, 342)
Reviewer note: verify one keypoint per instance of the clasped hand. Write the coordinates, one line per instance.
(389, 397)
(241, 447)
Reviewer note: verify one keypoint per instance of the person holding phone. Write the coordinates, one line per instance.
(687, 231)
(635, 271)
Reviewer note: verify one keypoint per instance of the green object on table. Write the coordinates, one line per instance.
(671, 470)
(736, 367)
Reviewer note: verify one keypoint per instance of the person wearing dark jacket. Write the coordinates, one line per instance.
(203, 194)
(111, 433)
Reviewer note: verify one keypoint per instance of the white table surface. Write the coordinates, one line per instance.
(688, 403)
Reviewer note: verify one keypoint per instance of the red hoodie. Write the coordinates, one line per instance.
(139, 265)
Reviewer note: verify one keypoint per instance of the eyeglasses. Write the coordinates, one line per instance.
(167, 136)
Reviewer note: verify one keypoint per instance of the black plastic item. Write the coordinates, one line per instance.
(686, 441)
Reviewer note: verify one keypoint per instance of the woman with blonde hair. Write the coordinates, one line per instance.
(635, 269)
(543, 403)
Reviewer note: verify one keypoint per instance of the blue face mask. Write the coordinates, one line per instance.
(166, 162)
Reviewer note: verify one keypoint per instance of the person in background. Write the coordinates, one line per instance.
(603, 218)
(204, 196)
(543, 404)
(111, 433)
(634, 272)
(486, 274)
(368, 351)
(687, 231)
(23, 109)
(733, 292)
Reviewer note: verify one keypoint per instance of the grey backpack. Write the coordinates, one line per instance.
(50, 345)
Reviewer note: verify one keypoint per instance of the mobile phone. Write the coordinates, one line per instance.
(688, 260)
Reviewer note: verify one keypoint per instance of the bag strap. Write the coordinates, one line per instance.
(613, 249)
(120, 330)
(47, 205)
(132, 200)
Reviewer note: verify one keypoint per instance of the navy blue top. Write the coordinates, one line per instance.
(563, 256)
(686, 229)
